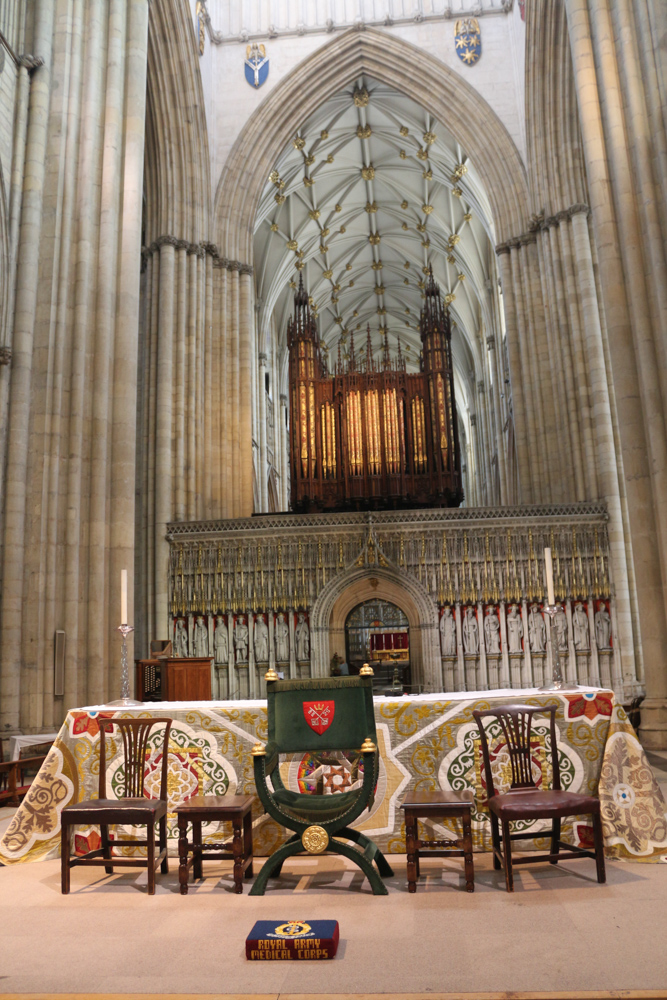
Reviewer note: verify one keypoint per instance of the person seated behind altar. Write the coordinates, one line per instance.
(338, 666)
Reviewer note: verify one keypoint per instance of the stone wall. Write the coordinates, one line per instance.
(482, 568)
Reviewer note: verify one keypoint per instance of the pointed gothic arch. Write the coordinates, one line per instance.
(344, 592)
(391, 60)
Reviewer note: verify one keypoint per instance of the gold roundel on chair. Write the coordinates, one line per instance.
(315, 839)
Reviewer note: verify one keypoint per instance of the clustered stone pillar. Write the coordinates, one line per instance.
(616, 64)
(69, 505)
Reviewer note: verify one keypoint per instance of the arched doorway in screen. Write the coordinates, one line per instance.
(378, 632)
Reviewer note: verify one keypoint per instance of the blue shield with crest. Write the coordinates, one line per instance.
(256, 65)
(468, 40)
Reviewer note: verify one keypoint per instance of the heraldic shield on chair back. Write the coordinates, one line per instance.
(321, 715)
(334, 713)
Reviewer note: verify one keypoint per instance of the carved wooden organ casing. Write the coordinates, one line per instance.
(371, 435)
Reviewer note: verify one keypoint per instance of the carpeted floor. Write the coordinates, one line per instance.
(559, 935)
(560, 931)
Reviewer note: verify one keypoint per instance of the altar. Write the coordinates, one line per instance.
(426, 742)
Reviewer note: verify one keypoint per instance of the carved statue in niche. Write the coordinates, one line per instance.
(560, 622)
(282, 639)
(201, 638)
(180, 639)
(241, 640)
(470, 632)
(261, 640)
(580, 627)
(603, 627)
(448, 633)
(537, 630)
(302, 638)
(492, 631)
(221, 641)
(514, 630)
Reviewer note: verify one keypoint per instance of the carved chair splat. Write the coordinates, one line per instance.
(132, 808)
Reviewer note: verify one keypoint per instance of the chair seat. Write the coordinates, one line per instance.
(531, 803)
(97, 811)
(312, 807)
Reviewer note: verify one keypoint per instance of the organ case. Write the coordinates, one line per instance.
(370, 434)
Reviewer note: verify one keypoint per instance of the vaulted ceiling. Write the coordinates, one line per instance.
(371, 192)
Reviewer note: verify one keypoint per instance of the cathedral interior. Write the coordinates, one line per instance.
(333, 333)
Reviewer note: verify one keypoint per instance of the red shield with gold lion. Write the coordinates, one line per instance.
(319, 715)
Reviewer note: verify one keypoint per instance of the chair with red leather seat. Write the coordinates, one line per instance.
(525, 801)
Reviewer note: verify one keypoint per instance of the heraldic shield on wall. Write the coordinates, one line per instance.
(256, 65)
(467, 40)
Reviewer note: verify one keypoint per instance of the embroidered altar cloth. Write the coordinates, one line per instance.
(425, 742)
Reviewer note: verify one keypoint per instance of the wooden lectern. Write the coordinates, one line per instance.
(174, 678)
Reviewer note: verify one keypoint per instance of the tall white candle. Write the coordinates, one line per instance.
(549, 569)
(123, 597)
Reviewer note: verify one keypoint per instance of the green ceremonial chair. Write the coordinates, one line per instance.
(333, 713)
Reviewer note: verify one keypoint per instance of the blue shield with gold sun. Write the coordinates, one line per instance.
(468, 40)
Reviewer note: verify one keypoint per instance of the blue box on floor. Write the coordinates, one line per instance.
(299, 940)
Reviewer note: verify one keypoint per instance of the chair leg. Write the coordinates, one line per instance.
(384, 868)
(417, 846)
(64, 858)
(467, 847)
(292, 840)
(150, 837)
(555, 839)
(197, 868)
(273, 864)
(164, 867)
(376, 883)
(599, 847)
(106, 846)
(183, 867)
(507, 855)
(410, 845)
(495, 840)
(247, 842)
(237, 851)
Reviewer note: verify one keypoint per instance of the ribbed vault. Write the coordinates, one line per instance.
(370, 194)
(390, 60)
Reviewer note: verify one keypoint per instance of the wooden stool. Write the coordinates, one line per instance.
(234, 809)
(437, 805)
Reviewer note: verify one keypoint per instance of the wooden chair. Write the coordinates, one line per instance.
(133, 808)
(524, 801)
(13, 783)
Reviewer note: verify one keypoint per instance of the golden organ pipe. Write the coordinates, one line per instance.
(313, 446)
(323, 435)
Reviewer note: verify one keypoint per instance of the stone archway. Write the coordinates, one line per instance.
(387, 59)
(390, 60)
(341, 595)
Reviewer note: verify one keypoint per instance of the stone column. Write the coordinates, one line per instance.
(245, 335)
(123, 438)
(516, 375)
(22, 359)
(634, 342)
(262, 465)
(163, 432)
